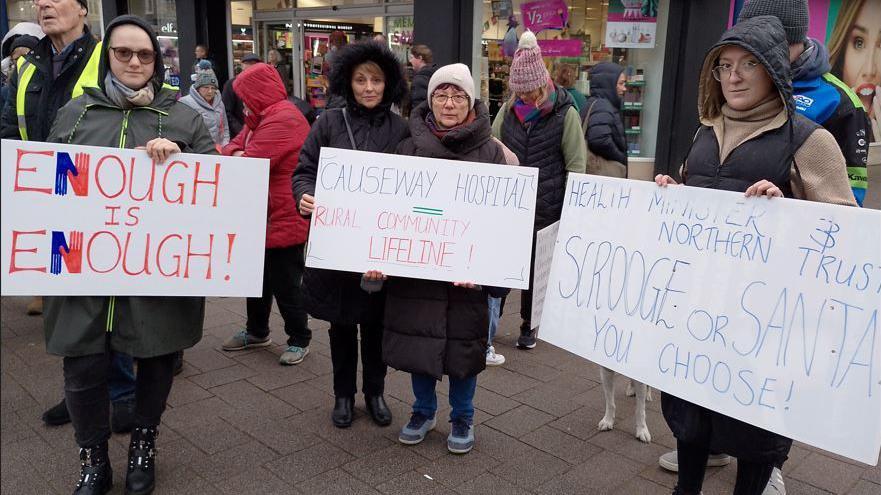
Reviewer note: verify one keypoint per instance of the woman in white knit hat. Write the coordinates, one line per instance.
(542, 127)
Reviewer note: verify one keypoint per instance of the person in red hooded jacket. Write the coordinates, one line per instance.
(274, 129)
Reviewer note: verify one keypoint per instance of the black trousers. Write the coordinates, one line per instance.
(344, 356)
(87, 394)
(526, 294)
(752, 477)
(282, 277)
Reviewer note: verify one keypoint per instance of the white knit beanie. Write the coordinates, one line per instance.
(455, 74)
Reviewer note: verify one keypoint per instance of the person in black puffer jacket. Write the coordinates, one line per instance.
(437, 328)
(370, 77)
(542, 127)
(604, 130)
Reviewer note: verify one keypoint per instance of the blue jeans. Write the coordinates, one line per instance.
(461, 397)
(495, 306)
(121, 379)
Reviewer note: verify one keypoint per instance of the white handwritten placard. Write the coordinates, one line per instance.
(87, 220)
(545, 241)
(763, 310)
(423, 218)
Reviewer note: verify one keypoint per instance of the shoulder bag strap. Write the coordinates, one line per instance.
(349, 130)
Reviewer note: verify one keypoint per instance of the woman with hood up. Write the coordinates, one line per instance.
(439, 328)
(752, 141)
(130, 108)
(371, 79)
(603, 127)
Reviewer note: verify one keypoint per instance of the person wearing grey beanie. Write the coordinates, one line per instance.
(819, 95)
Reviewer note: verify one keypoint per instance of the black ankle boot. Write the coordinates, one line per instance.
(343, 412)
(96, 477)
(378, 409)
(140, 479)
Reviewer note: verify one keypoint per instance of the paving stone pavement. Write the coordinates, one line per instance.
(239, 423)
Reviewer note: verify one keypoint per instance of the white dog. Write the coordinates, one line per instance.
(642, 392)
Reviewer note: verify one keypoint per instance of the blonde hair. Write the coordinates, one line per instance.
(544, 94)
(841, 33)
(369, 67)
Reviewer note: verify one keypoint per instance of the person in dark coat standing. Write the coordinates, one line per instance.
(542, 127)
(276, 130)
(370, 77)
(235, 110)
(129, 108)
(439, 328)
(422, 61)
(750, 125)
(604, 128)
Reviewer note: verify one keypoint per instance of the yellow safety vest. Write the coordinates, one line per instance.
(89, 77)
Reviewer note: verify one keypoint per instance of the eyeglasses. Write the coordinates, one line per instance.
(125, 54)
(441, 99)
(744, 70)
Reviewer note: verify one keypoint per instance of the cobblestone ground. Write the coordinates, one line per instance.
(238, 423)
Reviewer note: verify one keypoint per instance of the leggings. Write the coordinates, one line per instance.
(87, 394)
(752, 477)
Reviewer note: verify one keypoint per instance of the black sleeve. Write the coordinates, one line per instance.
(9, 128)
(852, 130)
(419, 91)
(232, 105)
(306, 172)
(602, 134)
(497, 292)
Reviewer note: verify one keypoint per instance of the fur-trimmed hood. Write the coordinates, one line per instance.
(765, 39)
(347, 58)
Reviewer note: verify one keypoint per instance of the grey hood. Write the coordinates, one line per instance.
(813, 63)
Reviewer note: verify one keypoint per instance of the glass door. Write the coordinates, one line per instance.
(277, 46)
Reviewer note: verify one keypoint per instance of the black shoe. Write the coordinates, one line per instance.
(178, 362)
(123, 418)
(343, 412)
(96, 476)
(140, 478)
(378, 410)
(57, 415)
(527, 336)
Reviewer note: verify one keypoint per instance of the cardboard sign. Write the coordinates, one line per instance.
(545, 242)
(87, 220)
(423, 218)
(765, 310)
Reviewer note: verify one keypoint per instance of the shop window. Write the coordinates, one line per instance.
(162, 15)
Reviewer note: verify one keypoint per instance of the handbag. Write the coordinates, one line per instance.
(597, 165)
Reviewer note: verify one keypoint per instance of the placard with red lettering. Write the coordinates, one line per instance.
(87, 220)
(423, 218)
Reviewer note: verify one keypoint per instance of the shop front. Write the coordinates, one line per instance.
(297, 38)
(575, 35)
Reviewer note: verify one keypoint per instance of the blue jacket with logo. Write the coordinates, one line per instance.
(823, 98)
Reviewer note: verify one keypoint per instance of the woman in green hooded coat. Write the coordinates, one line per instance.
(130, 108)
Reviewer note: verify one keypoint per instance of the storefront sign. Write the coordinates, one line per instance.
(544, 14)
(632, 23)
(765, 310)
(86, 220)
(423, 218)
(560, 48)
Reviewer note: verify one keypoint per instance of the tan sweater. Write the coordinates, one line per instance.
(821, 173)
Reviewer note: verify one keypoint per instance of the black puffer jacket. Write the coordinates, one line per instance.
(330, 295)
(764, 38)
(419, 90)
(539, 147)
(434, 328)
(605, 130)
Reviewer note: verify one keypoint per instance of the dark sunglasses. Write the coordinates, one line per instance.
(125, 54)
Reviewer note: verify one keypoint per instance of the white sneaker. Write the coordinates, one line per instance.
(493, 359)
(775, 484)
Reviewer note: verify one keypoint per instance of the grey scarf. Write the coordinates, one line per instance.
(125, 97)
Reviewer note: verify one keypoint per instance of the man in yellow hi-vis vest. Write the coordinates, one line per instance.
(53, 73)
(62, 63)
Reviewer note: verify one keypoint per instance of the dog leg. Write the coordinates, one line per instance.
(642, 430)
(630, 391)
(607, 376)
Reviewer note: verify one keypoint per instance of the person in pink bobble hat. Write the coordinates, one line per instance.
(540, 124)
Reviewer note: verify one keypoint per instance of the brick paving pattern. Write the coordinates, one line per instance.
(239, 423)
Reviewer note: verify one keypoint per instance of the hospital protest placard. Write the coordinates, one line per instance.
(87, 220)
(423, 218)
(765, 310)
